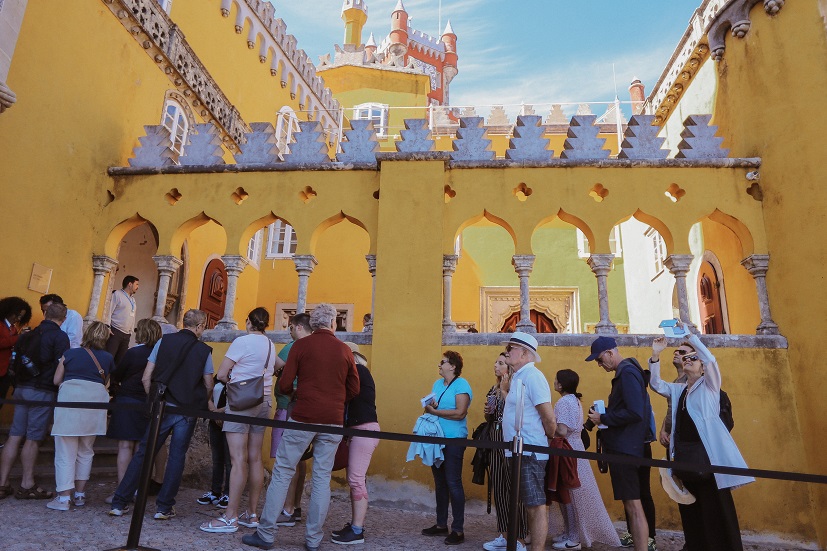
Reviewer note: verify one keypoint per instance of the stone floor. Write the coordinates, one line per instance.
(30, 526)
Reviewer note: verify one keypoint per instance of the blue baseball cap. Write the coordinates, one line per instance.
(600, 345)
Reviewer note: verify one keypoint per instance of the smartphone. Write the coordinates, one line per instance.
(671, 329)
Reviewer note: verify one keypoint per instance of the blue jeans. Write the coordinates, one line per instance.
(180, 429)
(448, 482)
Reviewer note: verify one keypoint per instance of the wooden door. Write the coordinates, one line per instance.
(541, 321)
(214, 292)
(709, 299)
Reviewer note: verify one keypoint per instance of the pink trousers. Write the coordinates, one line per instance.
(360, 452)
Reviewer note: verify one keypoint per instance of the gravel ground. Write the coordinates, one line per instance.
(30, 526)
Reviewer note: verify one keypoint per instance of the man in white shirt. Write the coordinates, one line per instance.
(72, 326)
(529, 394)
(122, 318)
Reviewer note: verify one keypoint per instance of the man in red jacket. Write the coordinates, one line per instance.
(327, 378)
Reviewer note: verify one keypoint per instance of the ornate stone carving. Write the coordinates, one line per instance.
(699, 140)
(155, 149)
(757, 265)
(523, 264)
(641, 141)
(582, 141)
(361, 145)
(167, 266)
(304, 267)
(601, 265)
(471, 144)
(101, 266)
(416, 138)
(528, 143)
(204, 147)
(261, 147)
(178, 60)
(559, 304)
(498, 117)
(735, 17)
(234, 265)
(678, 265)
(556, 115)
(449, 266)
(310, 146)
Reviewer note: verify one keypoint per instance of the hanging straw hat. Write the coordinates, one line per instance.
(674, 487)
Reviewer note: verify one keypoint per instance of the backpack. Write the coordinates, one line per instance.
(726, 412)
(27, 364)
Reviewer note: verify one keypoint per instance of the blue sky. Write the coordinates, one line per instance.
(532, 51)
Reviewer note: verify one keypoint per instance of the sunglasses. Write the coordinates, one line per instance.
(689, 358)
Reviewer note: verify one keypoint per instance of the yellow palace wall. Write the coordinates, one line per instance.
(768, 103)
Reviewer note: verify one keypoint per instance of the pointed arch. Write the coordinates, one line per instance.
(332, 221)
(662, 228)
(575, 221)
(181, 233)
(743, 234)
(116, 235)
(449, 247)
(255, 226)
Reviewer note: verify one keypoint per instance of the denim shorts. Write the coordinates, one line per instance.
(32, 421)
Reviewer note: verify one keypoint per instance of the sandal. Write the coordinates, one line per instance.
(6, 491)
(250, 520)
(35, 492)
(225, 525)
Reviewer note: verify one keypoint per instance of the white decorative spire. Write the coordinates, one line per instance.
(371, 41)
(358, 4)
(448, 29)
(399, 6)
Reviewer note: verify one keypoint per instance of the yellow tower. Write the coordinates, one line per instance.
(355, 15)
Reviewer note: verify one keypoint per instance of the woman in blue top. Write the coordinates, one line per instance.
(82, 374)
(452, 397)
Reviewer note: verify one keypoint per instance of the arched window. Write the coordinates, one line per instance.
(281, 241)
(376, 112)
(286, 123)
(175, 120)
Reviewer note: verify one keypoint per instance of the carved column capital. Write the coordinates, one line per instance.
(304, 263)
(7, 97)
(523, 263)
(449, 264)
(757, 264)
(167, 264)
(371, 258)
(600, 264)
(678, 264)
(102, 264)
(234, 263)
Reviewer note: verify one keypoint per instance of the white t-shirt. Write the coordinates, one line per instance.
(249, 353)
(535, 392)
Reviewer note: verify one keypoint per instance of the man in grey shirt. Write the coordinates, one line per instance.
(122, 318)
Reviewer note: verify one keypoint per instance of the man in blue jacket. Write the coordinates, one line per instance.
(628, 419)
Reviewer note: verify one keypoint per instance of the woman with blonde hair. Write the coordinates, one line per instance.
(128, 426)
(249, 356)
(82, 374)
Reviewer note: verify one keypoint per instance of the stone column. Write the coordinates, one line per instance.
(304, 266)
(449, 266)
(678, 266)
(601, 264)
(371, 258)
(101, 265)
(757, 265)
(167, 266)
(234, 264)
(523, 264)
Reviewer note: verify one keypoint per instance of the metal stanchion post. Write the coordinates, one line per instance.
(514, 513)
(156, 413)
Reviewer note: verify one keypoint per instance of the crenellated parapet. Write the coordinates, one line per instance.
(162, 40)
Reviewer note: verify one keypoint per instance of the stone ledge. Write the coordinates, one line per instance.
(281, 337)
(747, 162)
(634, 341)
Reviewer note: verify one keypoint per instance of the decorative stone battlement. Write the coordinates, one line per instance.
(150, 25)
(286, 59)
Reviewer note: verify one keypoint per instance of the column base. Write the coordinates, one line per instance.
(226, 325)
(526, 326)
(767, 328)
(605, 328)
(449, 327)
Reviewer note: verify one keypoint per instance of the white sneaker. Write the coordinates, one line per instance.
(497, 544)
(566, 544)
(58, 504)
(558, 538)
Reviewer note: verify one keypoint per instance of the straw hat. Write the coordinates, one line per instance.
(358, 356)
(674, 487)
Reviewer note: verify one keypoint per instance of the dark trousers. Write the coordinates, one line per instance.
(118, 344)
(711, 523)
(448, 483)
(5, 384)
(220, 460)
(645, 481)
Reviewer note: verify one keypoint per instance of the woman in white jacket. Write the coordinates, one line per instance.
(711, 523)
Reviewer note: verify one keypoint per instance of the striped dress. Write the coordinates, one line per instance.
(500, 474)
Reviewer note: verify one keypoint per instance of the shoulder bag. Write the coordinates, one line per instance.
(248, 393)
(98, 365)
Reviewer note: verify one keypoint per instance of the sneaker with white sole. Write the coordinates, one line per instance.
(165, 515)
(348, 537)
(115, 512)
(223, 501)
(652, 545)
(208, 499)
(566, 544)
(79, 499)
(497, 544)
(58, 505)
(285, 520)
(626, 540)
(248, 520)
